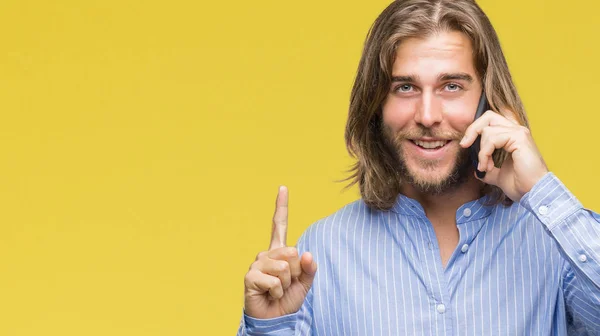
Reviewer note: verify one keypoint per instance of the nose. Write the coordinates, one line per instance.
(429, 111)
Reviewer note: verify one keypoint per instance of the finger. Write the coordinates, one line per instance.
(262, 283)
(499, 137)
(511, 116)
(289, 254)
(474, 130)
(280, 218)
(491, 176)
(276, 291)
(489, 118)
(513, 119)
(497, 119)
(309, 269)
(491, 138)
(277, 268)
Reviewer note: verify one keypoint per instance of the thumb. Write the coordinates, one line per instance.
(309, 269)
(491, 177)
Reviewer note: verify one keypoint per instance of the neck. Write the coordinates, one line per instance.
(442, 207)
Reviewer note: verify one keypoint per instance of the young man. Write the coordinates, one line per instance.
(431, 249)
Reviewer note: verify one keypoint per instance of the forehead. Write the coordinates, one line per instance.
(443, 52)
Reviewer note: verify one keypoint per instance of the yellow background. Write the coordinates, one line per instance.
(142, 144)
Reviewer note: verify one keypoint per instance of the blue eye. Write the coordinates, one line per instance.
(453, 87)
(404, 88)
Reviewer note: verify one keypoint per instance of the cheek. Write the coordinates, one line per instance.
(397, 113)
(458, 117)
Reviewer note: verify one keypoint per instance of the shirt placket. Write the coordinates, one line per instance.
(439, 299)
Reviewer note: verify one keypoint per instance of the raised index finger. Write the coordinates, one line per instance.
(280, 220)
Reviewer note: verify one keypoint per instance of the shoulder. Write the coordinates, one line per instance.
(509, 213)
(518, 221)
(349, 217)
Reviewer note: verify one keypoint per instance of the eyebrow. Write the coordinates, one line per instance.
(442, 77)
(455, 76)
(410, 79)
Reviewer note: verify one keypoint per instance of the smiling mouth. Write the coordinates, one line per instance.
(431, 144)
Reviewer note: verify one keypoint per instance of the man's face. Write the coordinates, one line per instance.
(432, 101)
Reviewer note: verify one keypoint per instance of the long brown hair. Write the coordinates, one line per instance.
(376, 168)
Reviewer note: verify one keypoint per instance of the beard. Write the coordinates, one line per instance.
(428, 183)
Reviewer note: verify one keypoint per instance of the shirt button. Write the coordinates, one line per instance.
(467, 212)
(440, 308)
(464, 248)
(543, 210)
(582, 258)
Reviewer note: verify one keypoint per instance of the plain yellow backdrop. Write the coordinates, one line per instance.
(143, 142)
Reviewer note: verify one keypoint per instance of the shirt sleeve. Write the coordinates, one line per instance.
(296, 324)
(279, 326)
(577, 233)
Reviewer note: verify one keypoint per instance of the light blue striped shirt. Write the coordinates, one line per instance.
(528, 269)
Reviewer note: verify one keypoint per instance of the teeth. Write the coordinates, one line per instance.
(430, 144)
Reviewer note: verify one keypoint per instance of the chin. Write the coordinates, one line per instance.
(437, 177)
(430, 175)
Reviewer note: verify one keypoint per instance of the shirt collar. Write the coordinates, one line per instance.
(467, 212)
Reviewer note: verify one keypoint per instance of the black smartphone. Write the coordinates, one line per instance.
(476, 146)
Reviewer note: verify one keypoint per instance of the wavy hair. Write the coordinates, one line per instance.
(376, 168)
